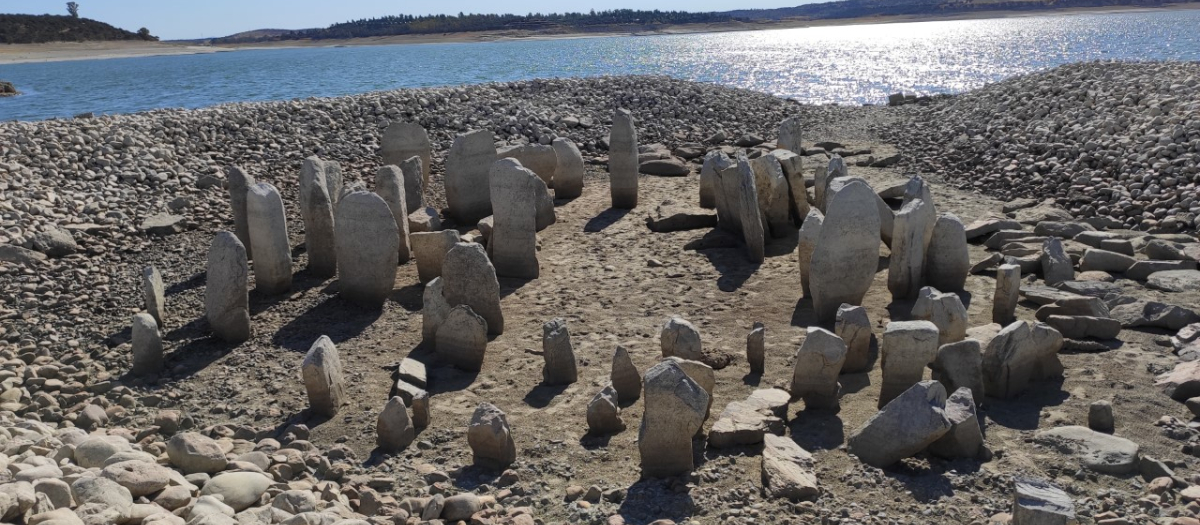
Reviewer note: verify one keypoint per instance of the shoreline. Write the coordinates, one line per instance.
(11, 54)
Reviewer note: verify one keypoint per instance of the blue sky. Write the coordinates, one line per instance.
(175, 19)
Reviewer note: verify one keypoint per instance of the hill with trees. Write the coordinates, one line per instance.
(37, 29)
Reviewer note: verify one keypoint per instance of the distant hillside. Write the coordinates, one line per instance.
(37, 29)
(866, 8)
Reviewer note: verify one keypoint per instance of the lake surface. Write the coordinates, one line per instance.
(845, 65)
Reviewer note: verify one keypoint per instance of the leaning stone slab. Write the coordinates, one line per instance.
(1037, 502)
(1142, 270)
(702, 374)
(793, 170)
(1182, 382)
(1019, 355)
(268, 234)
(1096, 450)
(404, 140)
(470, 279)
(430, 249)
(947, 262)
(568, 174)
(560, 368)
(847, 251)
(147, 345)
(990, 225)
(964, 439)
(226, 300)
(960, 365)
(788, 470)
(239, 183)
(368, 248)
(390, 186)
(810, 233)
(912, 232)
(623, 160)
(323, 381)
(152, 290)
(749, 213)
(815, 374)
(490, 438)
(680, 338)
(675, 409)
(468, 193)
(905, 426)
(462, 339)
(412, 173)
(514, 223)
(907, 347)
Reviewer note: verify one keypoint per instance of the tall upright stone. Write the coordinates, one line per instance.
(847, 251)
(749, 213)
(948, 262)
(152, 290)
(623, 160)
(626, 378)
(430, 249)
(434, 310)
(774, 201)
(756, 349)
(789, 135)
(912, 232)
(908, 346)
(560, 368)
(490, 438)
(368, 247)
(810, 233)
(815, 374)
(711, 193)
(413, 171)
(239, 184)
(960, 365)
(1007, 294)
(793, 170)
(226, 297)
(404, 140)
(147, 345)
(568, 175)
(675, 410)
(328, 172)
(514, 222)
(854, 327)
(268, 233)
(1056, 264)
(390, 186)
(679, 338)
(317, 211)
(462, 339)
(468, 192)
(471, 280)
(323, 380)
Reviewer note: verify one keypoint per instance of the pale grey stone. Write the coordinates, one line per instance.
(854, 328)
(748, 210)
(912, 232)
(626, 378)
(268, 234)
(1100, 416)
(1007, 294)
(423, 220)
(239, 490)
(470, 279)
(1056, 264)
(748, 421)
(817, 366)
(323, 381)
(789, 135)
(541, 160)
(434, 309)
(152, 289)
(430, 249)
(568, 175)
(680, 338)
(1096, 451)
(793, 170)
(368, 248)
(945, 310)
(948, 262)
(468, 192)
(193, 453)
(394, 430)
(847, 251)
(960, 365)
(810, 233)
(964, 439)
(316, 208)
(390, 185)
(239, 183)
(1037, 502)
(907, 347)
(513, 243)
(905, 426)
(490, 438)
(226, 295)
(675, 410)
(710, 185)
(604, 413)
(623, 160)
(774, 200)
(1104, 261)
(404, 140)
(788, 471)
(462, 339)
(147, 346)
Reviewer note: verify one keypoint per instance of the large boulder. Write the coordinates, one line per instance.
(1019, 355)
(195, 453)
(239, 490)
(368, 248)
(945, 310)
(905, 426)
(390, 186)
(514, 223)
(468, 192)
(541, 160)
(490, 438)
(1096, 450)
(947, 262)
(847, 251)
(675, 410)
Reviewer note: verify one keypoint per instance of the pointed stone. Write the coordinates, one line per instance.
(560, 368)
(368, 249)
(268, 234)
(490, 438)
(152, 289)
(604, 413)
(750, 215)
(623, 160)
(470, 279)
(434, 310)
(316, 208)
(226, 298)
(793, 170)
(239, 183)
(626, 378)
(322, 373)
(789, 135)
(815, 374)
(911, 234)
(710, 185)
(390, 186)
(774, 202)
(394, 430)
(413, 171)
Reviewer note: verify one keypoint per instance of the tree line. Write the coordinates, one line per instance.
(36, 29)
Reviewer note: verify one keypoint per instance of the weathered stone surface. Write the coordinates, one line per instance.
(368, 248)
(1096, 451)
(413, 372)
(462, 338)
(423, 220)
(430, 249)
(749, 214)
(947, 261)
(623, 160)
(1104, 261)
(1175, 280)
(568, 174)
(664, 167)
(1182, 382)
(560, 368)
(404, 140)
(964, 438)
(789, 135)
(1083, 305)
(911, 234)
(1156, 314)
(774, 201)
(147, 346)
(239, 490)
(1100, 416)
(854, 328)
(817, 366)
(945, 310)
(541, 160)
(226, 299)
(268, 235)
(960, 365)
(675, 411)
(990, 225)
(604, 413)
(239, 183)
(747, 422)
(490, 438)
(316, 208)
(886, 215)
(626, 378)
(847, 251)
(394, 430)
(1142, 270)
(905, 426)
(162, 224)
(834, 169)
(788, 470)
(711, 191)
(412, 173)
(390, 186)
(680, 338)
(810, 233)
(514, 225)
(1019, 355)
(1007, 295)
(193, 453)
(104, 492)
(671, 216)
(907, 347)
(1085, 327)
(153, 292)
(322, 373)
(793, 170)
(1056, 264)
(756, 349)
(470, 279)
(468, 192)
(1037, 502)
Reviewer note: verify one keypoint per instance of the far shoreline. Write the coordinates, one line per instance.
(71, 51)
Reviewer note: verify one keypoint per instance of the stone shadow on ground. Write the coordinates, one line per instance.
(1023, 411)
(804, 315)
(195, 281)
(606, 218)
(472, 477)
(411, 297)
(857, 381)
(542, 395)
(815, 430)
(590, 441)
(734, 267)
(442, 378)
(333, 317)
(510, 285)
(651, 499)
(197, 354)
(925, 482)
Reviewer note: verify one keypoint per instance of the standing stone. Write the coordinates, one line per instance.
(430, 249)
(268, 233)
(1019, 355)
(322, 372)
(854, 328)
(788, 470)
(847, 252)
(568, 175)
(1056, 264)
(789, 135)
(964, 439)
(394, 431)
(945, 310)
(948, 261)
(810, 233)
(623, 161)
(818, 363)
(368, 248)
(514, 224)
(960, 365)
(771, 187)
(541, 160)
(835, 169)
(462, 339)
(420, 409)
(560, 366)
(912, 232)
(147, 345)
(404, 140)
(626, 378)
(390, 186)
(1100, 416)
(543, 205)
(912, 421)
(1008, 293)
(907, 347)
(793, 170)
(604, 413)
(468, 192)
(412, 172)
(490, 438)
(152, 288)
(681, 339)
(675, 410)
(1037, 502)
(239, 183)
(711, 192)
(702, 374)
(226, 300)
(756, 349)
(318, 217)
(470, 279)
(749, 214)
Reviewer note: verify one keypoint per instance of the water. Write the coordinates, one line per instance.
(846, 64)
